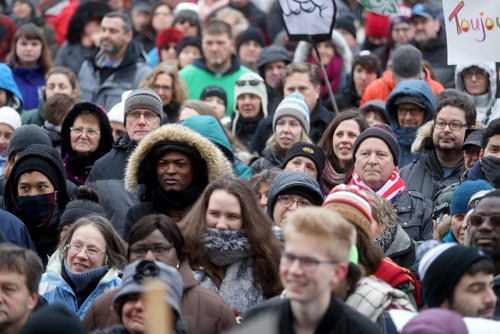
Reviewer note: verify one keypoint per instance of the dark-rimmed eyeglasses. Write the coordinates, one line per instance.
(477, 220)
(456, 125)
(306, 263)
(287, 201)
(141, 251)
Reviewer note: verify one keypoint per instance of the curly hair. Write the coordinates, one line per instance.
(178, 86)
(264, 245)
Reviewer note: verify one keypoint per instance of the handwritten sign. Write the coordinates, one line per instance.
(472, 30)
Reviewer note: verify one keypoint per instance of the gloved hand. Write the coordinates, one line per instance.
(490, 166)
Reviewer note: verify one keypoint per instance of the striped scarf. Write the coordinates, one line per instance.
(391, 190)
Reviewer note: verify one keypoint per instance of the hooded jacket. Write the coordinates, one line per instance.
(203, 310)
(136, 173)
(78, 167)
(45, 236)
(105, 85)
(425, 174)
(405, 136)
(487, 105)
(7, 83)
(198, 76)
(209, 128)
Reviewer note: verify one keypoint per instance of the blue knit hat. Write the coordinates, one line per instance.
(463, 193)
(294, 106)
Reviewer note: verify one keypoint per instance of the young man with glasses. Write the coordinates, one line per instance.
(410, 105)
(314, 260)
(143, 114)
(442, 165)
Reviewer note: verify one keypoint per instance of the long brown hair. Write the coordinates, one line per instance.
(326, 141)
(264, 245)
(31, 31)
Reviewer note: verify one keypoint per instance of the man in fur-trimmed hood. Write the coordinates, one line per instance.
(174, 164)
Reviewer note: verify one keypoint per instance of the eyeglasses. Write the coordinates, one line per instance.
(453, 125)
(287, 201)
(81, 130)
(190, 22)
(141, 251)
(91, 252)
(413, 111)
(307, 264)
(252, 82)
(477, 220)
(467, 74)
(161, 87)
(148, 115)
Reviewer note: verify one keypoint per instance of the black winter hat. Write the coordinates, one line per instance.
(271, 54)
(346, 22)
(188, 41)
(382, 132)
(52, 319)
(25, 136)
(214, 91)
(85, 204)
(310, 151)
(251, 34)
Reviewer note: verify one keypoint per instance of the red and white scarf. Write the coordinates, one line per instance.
(391, 190)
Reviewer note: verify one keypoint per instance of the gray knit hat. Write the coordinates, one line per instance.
(144, 98)
(26, 136)
(294, 106)
(407, 61)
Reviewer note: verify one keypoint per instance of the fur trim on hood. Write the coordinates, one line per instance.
(217, 164)
(304, 48)
(425, 132)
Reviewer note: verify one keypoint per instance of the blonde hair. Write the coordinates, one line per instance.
(326, 225)
(178, 86)
(382, 211)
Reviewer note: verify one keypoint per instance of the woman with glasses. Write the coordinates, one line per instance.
(157, 238)
(88, 262)
(230, 245)
(86, 136)
(165, 81)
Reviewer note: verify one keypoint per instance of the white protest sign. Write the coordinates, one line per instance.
(472, 30)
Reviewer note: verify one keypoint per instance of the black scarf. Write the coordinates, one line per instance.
(166, 200)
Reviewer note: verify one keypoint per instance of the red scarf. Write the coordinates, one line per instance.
(391, 190)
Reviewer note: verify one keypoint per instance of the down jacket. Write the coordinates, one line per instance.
(425, 175)
(217, 166)
(405, 136)
(55, 289)
(487, 105)
(203, 310)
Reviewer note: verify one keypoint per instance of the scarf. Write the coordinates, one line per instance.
(175, 200)
(385, 240)
(391, 190)
(238, 287)
(333, 72)
(80, 281)
(332, 178)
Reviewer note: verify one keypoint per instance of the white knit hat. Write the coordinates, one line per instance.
(294, 106)
(251, 83)
(10, 117)
(117, 112)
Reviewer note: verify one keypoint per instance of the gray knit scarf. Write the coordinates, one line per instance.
(232, 249)
(385, 240)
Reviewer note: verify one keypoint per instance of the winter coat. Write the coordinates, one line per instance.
(203, 310)
(29, 81)
(271, 157)
(77, 167)
(55, 289)
(487, 105)
(382, 87)
(425, 174)
(13, 230)
(35, 116)
(338, 318)
(209, 128)
(106, 177)
(406, 136)
(105, 85)
(58, 15)
(402, 249)
(217, 164)
(197, 77)
(8, 84)
(415, 214)
(72, 56)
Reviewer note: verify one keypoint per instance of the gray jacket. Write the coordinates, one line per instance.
(415, 214)
(105, 85)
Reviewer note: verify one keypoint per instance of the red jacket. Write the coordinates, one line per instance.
(59, 16)
(382, 87)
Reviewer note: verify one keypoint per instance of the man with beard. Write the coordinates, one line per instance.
(118, 65)
(219, 66)
(441, 160)
(484, 232)
(458, 278)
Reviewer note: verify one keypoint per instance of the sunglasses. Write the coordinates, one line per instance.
(249, 82)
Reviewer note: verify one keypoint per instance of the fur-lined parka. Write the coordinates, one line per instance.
(137, 174)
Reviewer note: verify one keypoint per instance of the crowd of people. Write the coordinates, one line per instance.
(196, 143)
